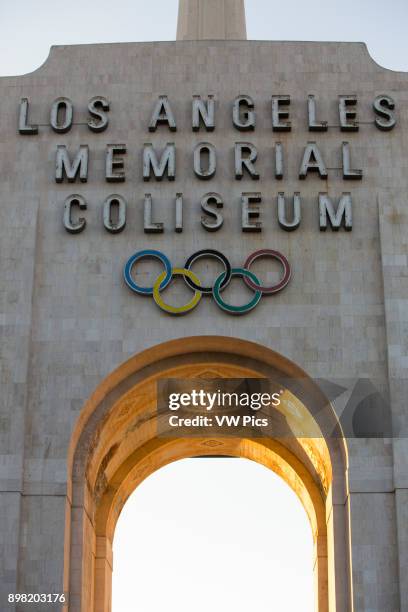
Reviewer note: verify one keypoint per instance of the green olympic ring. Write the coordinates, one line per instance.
(236, 310)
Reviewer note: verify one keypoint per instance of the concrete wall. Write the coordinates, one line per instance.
(67, 319)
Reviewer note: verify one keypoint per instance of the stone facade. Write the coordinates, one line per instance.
(67, 319)
(211, 20)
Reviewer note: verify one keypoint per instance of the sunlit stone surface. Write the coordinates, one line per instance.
(75, 438)
(211, 19)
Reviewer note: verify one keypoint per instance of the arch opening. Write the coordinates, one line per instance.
(115, 447)
(228, 530)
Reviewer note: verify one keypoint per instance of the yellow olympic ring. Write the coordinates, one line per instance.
(177, 310)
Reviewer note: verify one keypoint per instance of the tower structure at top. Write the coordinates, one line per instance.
(211, 20)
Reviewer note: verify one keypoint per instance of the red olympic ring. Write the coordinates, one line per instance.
(287, 272)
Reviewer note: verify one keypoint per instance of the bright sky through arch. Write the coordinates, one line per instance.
(213, 534)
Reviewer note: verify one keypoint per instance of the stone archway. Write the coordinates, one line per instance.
(114, 447)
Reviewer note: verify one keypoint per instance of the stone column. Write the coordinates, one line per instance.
(211, 20)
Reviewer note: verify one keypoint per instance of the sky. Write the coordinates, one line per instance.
(203, 535)
(28, 29)
(228, 530)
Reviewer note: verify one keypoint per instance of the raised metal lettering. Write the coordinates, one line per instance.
(384, 107)
(315, 126)
(74, 227)
(98, 107)
(246, 155)
(348, 173)
(206, 150)
(250, 212)
(296, 215)
(342, 216)
(279, 161)
(62, 115)
(114, 221)
(348, 116)
(278, 114)
(207, 205)
(150, 227)
(243, 114)
(179, 213)
(167, 163)
(312, 160)
(23, 126)
(203, 112)
(64, 166)
(162, 114)
(114, 166)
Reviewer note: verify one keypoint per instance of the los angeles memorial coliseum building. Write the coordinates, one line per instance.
(137, 180)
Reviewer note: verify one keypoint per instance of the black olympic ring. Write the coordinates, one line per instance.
(208, 253)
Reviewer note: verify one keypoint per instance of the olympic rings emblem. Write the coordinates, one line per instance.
(194, 283)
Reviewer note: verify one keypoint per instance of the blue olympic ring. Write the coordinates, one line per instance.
(147, 253)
